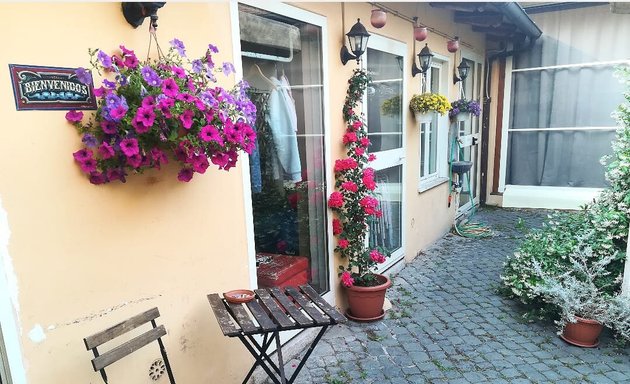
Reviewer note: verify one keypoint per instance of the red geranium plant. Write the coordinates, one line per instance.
(354, 202)
(154, 110)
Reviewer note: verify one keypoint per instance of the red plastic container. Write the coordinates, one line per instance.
(282, 271)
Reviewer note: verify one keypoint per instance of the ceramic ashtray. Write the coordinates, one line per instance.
(239, 296)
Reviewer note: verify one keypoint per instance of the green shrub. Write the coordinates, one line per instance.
(602, 225)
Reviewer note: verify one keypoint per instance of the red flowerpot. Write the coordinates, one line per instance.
(378, 18)
(420, 33)
(584, 333)
(366, 303)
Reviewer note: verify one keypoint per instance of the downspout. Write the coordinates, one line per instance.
(517, 16)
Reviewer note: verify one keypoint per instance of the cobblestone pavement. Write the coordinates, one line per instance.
(448, 325)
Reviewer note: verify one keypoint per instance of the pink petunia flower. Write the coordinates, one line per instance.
(335, 200)
(343, 243)
(118, 113)
(97, 178)
(74, 116)
(135, 160)
(82, 155)
(129, 147)
(200, 163)
(145, 116)
(209, 133)
(187, 118)
(178, 71)
(109, 127)
(88, 165)
(106, 151)
(185, 175)
(376, 256)
(159, 157)
(170, 88)
(346, 279)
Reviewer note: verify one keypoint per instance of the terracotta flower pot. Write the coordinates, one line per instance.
(378, 18)
(366, 303)
(584, 333)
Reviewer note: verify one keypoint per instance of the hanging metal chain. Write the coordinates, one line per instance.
(153, 36)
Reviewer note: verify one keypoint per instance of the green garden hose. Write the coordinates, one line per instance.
(468, 229)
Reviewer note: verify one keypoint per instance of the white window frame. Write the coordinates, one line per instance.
(322, 22)
(440, 175)
(393, 157)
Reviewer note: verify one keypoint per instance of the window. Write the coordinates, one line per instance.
(433, 135)
(282, 61)
(384, 61)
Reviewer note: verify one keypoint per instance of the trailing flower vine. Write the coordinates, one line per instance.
(354, 202)
(156, 108)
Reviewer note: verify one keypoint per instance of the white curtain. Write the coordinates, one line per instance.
(560, 117)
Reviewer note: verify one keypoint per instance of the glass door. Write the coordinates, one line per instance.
(384, 61)
(282, 58)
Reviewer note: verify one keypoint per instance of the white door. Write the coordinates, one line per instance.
(385, 63)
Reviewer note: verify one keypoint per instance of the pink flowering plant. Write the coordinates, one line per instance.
(156, 110)
(354, 202)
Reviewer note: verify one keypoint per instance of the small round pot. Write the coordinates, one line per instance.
(420, 33)
(378, 18)
(453, 45)
(583, 333)
(366, 303)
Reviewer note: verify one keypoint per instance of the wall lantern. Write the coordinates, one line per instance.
(358, 38)
(425, 57)
(462, 70)
(135, 13)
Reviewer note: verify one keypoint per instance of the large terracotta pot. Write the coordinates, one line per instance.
(366, 303)
(584, 333)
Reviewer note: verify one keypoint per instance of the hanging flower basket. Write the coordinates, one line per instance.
(425, 117)
(156, 110)
(462, 109)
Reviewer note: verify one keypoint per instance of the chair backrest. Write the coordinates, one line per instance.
(102, 360)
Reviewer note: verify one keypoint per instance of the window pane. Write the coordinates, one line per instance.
(287, 168)
(384, 111)
(433, 145)
(386, 230)
(423, 146)
(558, 158)
(435, 80)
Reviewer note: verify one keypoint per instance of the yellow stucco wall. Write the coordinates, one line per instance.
(86, 256)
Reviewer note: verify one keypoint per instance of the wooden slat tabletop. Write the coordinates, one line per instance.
(274, 309)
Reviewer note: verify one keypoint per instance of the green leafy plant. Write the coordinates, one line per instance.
(391, 106)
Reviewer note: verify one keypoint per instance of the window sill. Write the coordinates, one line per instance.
(425, 185)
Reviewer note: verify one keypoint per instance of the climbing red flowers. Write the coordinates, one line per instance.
(354, 201)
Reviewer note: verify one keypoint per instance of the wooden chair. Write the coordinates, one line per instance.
(100, 361)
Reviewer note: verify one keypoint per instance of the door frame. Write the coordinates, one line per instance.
(322, 22)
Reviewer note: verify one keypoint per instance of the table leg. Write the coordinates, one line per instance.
(262, 350)
(283, 379)
(259, 360)
(307, 354)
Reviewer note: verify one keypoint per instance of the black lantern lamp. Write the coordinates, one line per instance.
(358, 38)
(425, 57)
(135, 13)
(462, 72)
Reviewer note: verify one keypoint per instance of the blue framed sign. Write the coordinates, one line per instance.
(49, 88)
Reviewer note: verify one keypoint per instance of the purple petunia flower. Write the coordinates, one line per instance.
(134, 160)
(129, 147)
(83, 75)
(109, 84)
(146, 116)
(88, 166)
(148, 73)
(97, 178)
(228, 68)
(105, 60)
(116, 174)
(178, 71)
(89, 140)
(109, 127)
(197, 66)
(179, 46)
(213, 48)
